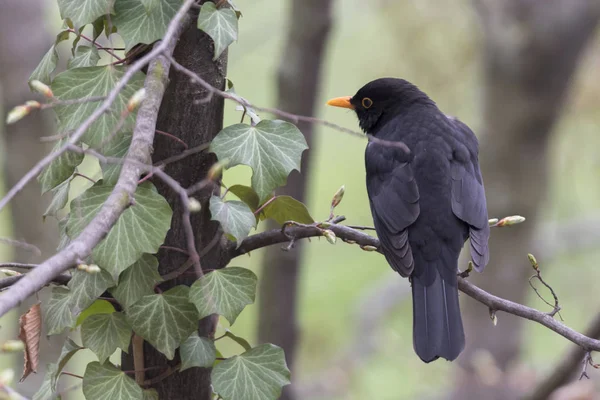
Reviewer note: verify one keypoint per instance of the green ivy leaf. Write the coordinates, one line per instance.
(247, 195)
(60, 197)
(220, 24)
(224, 291)
(85, 56)
(86, 82)
(86, 287)
(271, 148)
(239, 340)
(68, 351)
(104, 333)
(46, 392)
(82, 12)
(150, 4)
(235, 217)
(47, 65)
(60, 169)
(97, 307)
(258, 374)
(137, 24)
(140, 229)
(150, 394)
(164, 320)
(57, 311)
(197, 351)
(137, 281)
(106, 382)
(286, 208)
(118, 148)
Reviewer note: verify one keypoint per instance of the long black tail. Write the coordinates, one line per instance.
(437, 324)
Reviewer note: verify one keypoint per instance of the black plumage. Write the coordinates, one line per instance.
(425, 203)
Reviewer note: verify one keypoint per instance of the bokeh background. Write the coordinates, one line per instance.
(523, 74)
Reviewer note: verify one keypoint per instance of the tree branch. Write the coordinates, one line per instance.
(123, 193)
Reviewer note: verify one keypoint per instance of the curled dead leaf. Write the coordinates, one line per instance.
(30, 331)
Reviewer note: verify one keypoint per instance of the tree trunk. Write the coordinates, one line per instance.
(195, 124)
(531, 50)
(21, 49)
(298, 84)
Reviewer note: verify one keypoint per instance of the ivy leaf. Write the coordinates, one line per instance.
(258, 374)
(85, 56)
(104, 333)
(247, 195)
(140, 229)
(106, 382)
(220, 24)
(235, 217)
(47, 65)
(150, 394)
(138, 24)
(46, 392)
(68, 351)
(60, 169)
(271, 148)
(137, 281)
(239, 340)
(286, 208)
(117, 147)
(86, 287)
(197, 351)
(97, 307)
(149, 4)
(57, 312)
(60, 197)
(86, 82)
(164, 320)
(224, 291)
(82, 12)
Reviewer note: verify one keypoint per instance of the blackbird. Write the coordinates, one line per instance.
(427, 197)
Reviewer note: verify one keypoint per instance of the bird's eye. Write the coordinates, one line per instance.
(367, 102)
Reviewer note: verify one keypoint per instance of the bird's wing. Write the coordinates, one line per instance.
(394, 199)
(468, 194)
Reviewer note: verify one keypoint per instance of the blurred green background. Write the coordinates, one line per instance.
(437, 46)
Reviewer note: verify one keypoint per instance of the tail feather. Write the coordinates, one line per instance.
(437, 323)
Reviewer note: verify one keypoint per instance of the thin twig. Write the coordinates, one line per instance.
(168, 372)
(22, 245)
(175, 138)
(99, 47)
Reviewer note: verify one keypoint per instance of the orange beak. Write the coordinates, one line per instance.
(343, 102)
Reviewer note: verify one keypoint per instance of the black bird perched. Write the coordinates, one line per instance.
(425, 203)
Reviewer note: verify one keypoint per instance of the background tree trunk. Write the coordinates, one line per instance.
(531, 50)
(195, 124)
(21, 49)
(298, 86)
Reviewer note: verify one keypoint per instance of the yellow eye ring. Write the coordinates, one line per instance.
(367, 102)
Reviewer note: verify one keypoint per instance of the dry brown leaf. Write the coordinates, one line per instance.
(30, 331)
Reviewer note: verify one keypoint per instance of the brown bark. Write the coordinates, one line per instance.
(531, 50)
(298, 84)
(195, 124)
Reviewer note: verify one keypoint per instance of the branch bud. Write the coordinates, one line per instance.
(368, 248)
(10, 272)
(329, 235)
(42, 88)
(493, 221)
(338, 196)
(12, 346)
(194, 205)
(89, 268)
(135, 100)
(512, 220)
(533, 261)
(216, 170)
(16, 114)
(493, 317)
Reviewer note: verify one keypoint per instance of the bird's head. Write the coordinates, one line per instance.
(380, 100)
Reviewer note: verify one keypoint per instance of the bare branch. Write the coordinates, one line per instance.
(121, 196)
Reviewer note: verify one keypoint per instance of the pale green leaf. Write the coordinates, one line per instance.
(235, 217)
(117, 147)
(286, 208)
(137, 281)
(150, 4)
(247, 195)
(224, 291)
(60, 197)
(57, 312)
(43, 72)
(60, 169)
(82, 12)
(136, 24)
(258, 374)
(220, 24)
(86, 82)
(140, 229)
(85, 56)
(86, 287)
(151, 394)
(239, 340)
(104, 333)
(46, 391)
(97, 307)
(197, 351)
(164, 320)
(68, 351)
(272, 148)
(106, 382)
